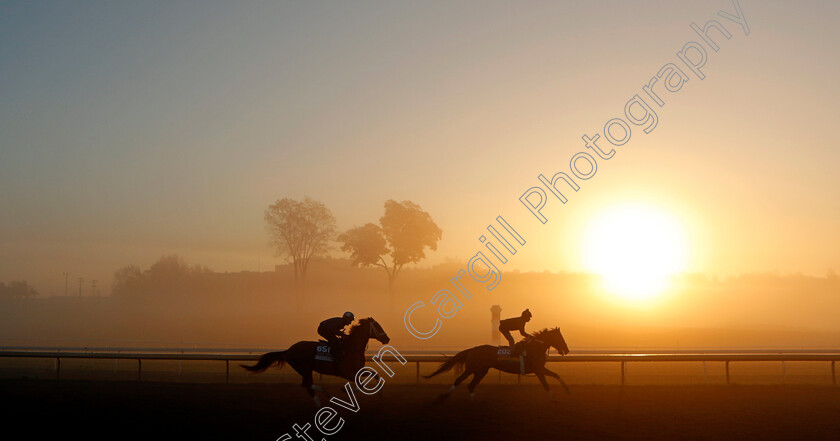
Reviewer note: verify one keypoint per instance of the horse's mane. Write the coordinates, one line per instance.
(544, 331)
(357, 326)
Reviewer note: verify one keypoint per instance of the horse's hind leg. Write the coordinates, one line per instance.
(310, 389)
(476, 379)
(317, 388)
(458, 381)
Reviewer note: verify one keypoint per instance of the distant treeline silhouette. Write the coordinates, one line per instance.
(171, 278)
(17, 290)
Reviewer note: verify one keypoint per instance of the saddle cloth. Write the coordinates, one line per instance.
(323, 352)
(503, 353)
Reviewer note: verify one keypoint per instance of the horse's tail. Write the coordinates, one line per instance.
(266, 361)
(456, 362)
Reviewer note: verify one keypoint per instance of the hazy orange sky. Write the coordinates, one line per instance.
(129, 131)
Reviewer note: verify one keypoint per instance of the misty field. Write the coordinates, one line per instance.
(119, 410)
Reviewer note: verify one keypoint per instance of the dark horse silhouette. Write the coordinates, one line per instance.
(301, 356)
(478, 360)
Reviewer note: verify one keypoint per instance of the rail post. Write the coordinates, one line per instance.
(784, 372)
(833, 375)
(139, 368)
(227, 371)
(58, 368)
(623, 374)
(418, 373)
(727, 371)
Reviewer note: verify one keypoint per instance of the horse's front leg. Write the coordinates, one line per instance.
(349, 374)
(552, 374)
(376, 378)
(544, 383)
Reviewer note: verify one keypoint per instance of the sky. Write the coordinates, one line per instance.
(133, 130)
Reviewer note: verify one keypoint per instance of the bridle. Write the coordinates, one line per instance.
(374, 331)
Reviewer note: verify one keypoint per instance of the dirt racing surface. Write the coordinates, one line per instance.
(158, 411)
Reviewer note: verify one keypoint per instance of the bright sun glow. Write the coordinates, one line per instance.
(635, 249)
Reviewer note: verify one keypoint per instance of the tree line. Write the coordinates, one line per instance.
(169, 277)
(17, 290)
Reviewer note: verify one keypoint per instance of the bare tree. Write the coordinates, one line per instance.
(403, 234)
(300, 230)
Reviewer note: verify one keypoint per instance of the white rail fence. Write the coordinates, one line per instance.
(416, 357)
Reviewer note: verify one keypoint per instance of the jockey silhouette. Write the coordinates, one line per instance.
(515, 324)
(332, 329)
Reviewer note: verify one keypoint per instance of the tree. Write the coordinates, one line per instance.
(403, 234)
(128, 281)
(365, 244)
(168, 277)
(300, 230)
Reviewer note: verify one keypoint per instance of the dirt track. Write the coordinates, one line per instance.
(129, 410)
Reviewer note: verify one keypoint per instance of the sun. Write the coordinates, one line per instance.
(635, 249)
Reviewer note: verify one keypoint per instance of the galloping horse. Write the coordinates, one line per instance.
(301, 356)
(478, 360)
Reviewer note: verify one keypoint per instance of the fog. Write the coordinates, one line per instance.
(176, 304)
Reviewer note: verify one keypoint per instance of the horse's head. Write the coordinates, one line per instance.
(374, 330)
(555, 339)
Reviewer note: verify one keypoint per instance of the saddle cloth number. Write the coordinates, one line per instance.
(322, 352)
